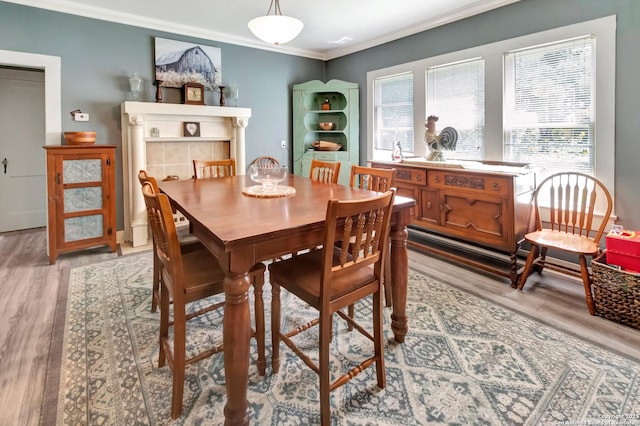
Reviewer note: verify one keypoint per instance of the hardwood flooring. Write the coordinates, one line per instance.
(29, 288)
(28, 294)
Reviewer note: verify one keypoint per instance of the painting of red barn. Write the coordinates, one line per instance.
(178, 62)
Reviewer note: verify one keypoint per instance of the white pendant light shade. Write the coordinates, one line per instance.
(275, 29)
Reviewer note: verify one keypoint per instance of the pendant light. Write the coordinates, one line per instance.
(275, 29)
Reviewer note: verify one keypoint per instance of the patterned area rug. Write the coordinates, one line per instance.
(465, 361)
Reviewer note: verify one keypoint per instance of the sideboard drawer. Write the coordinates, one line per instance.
(410, 175)
(473, 182)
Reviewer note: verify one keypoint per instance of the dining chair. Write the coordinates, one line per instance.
(565, 217)
(265, 161)
(379, 180)
(214, 168)
(324, 171)
(187, 278)
(188, 243)
(331, 278)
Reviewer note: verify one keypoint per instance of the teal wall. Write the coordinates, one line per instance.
(517, 19)
(98, 56)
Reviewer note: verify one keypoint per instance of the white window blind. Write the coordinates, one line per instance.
(393, 114)
(549, 106)
(455, 94)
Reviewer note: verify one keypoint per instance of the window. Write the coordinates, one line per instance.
(394, 114)
(455, 93)
(547, 99)
(549, 106)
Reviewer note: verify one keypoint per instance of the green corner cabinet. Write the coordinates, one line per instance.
(309, 111)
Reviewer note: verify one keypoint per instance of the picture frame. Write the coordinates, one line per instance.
(193, 94)
(178, 62)
(191, 129)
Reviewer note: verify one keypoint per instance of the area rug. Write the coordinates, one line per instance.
(465, 361)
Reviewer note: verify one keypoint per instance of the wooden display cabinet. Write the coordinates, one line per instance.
(468, 212)
(81, 197)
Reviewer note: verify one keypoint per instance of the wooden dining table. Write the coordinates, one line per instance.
(241, 230)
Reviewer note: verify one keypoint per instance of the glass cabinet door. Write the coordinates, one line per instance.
(82, 193)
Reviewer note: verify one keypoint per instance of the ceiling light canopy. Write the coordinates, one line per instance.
(275, 29)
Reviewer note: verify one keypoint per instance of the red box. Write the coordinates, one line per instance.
(627, 262)
(623, 249)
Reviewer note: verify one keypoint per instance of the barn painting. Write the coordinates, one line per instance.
(179, 62)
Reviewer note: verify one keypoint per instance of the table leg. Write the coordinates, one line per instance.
(399, 276)
(237, 332)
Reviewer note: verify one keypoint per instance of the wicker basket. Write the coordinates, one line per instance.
(616, 293)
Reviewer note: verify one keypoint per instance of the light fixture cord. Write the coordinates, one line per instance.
(277, 8)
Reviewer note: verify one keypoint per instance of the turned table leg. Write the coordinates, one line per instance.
(399, 274)
(237, 332)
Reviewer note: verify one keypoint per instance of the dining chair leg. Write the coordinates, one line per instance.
(155, 292)
(179, 355)
(258, 283)
(533, 253)
(275, 327)
(584, 271)
(164, 328)
(388, 298)
(351, 313)
(323, 367)
(379, 339)
(539, 266)
(331, 329)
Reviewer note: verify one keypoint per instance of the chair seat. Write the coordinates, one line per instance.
(202, 275)
(301, 276)
(563, 241)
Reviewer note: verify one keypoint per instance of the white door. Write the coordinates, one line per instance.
(22, 135)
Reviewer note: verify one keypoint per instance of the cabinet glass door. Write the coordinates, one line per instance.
(82, 192)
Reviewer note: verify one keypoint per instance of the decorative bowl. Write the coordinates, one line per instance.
(269, 177)
(326, 146)
(326, 126)
(80, 138)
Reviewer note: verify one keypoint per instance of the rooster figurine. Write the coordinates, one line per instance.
(437, 143)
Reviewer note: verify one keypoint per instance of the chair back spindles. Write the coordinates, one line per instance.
(265, 162)
(325, 171)
(572, 203)
(165, 237)
(372, 179)
(214, 168)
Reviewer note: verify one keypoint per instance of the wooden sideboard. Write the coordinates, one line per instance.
(473, 212)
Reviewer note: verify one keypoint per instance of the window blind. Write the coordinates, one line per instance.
(549, 106)
(455, 94)
(393, 113)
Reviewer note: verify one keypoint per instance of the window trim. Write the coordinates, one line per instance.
(604, 30)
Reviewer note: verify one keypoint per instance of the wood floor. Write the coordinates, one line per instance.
(29, 289)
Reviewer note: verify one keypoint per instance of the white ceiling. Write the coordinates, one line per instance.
(332, 28)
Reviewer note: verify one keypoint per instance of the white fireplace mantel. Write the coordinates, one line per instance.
(138, 118)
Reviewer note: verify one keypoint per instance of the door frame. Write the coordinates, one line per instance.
(52, 66)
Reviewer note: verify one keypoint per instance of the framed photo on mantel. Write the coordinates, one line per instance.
(193, 93)
(190, 128)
